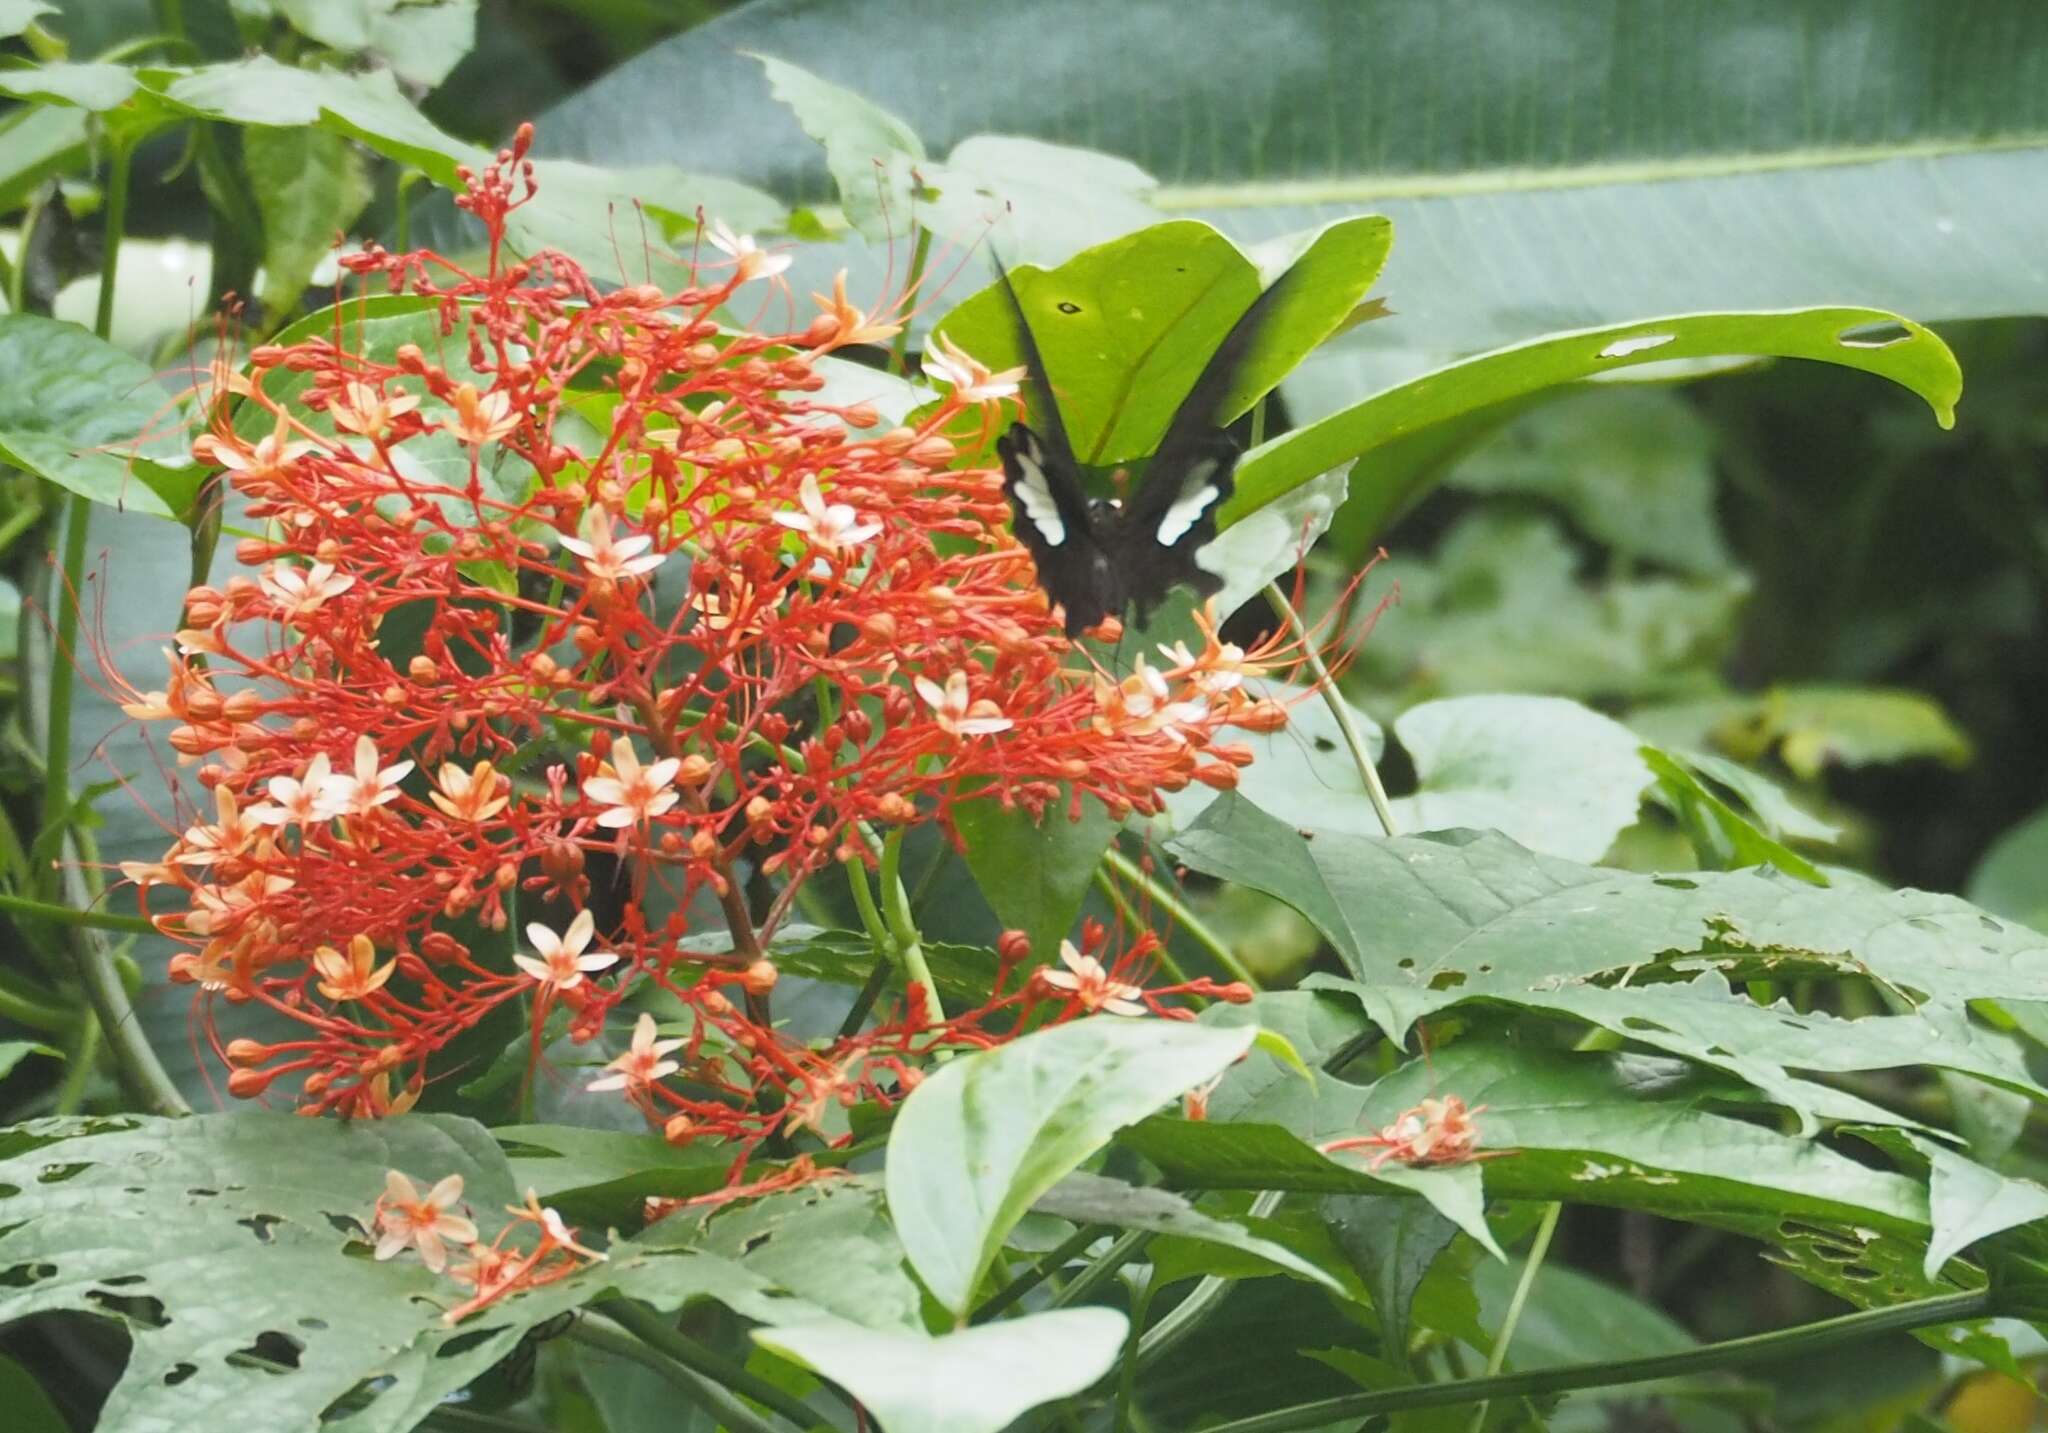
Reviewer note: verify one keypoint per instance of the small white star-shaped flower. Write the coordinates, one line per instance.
(613, 559)
(298, 800)
(972, 382)
(832, 526)
(643, 1063)
(633, 793)
(1086, 981)
(560, 963)
(955, 713)
(299, 591)
(753, 261)
(363, 790)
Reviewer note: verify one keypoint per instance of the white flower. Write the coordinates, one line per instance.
(298, 592)
(561, 964)
(228, 836)
(956, 715)
(301, 800)
(612, 559)
(369, 786)
(407, 1217)
(1142, 705)
(633, 793)
(753, 261)
(972, 382)
(1086, 981)
(833, 526)
(643, 1063)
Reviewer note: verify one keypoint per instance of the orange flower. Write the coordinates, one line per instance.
(409, 1219)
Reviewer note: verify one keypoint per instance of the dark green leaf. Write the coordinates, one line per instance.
(1723, 838)
(1391, 1242)
(1034, 874)
(89, 418)
(1092, 1199)
(29, 1409)
(310, 185)
(985, 1135)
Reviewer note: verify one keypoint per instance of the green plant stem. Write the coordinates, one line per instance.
(649, 1338)
(1103, 1269)
(27, 1010)
(68, 915)
(1340, 711)
(1128, 913)
(1730, 1353)
(1127, 1377)
(1208, 1296)
(78, 1063)
(142, 1073)
(1168, 900)
(116, 225)
(899, 351)
(903, 926)
(1037, 1274)
(1539, 1250)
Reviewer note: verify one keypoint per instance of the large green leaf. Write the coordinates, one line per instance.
(1092, 1199)
(985, 1135)
(974, 1381)
(2012, 878)
(220, 1236)
(1035, 874)
(1125, 328)
(89, 418)
(1867, 339)
(1392, 1242)
(1765, 153)
(421, 40)
(310, 185)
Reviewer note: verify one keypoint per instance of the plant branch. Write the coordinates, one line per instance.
(1729, 1353)
(1340, 710)
(1167, 899)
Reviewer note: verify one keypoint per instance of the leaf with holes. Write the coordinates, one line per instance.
(985, 1135)
(1915, 359)
(236, 1249)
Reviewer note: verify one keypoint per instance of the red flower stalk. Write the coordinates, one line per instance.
(599, 577)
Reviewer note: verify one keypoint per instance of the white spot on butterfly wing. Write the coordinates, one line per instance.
(1035, 494)
(1196, 493)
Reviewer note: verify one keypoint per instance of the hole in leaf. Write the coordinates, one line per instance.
(8, 1191)
(58, 1173)
(345, 1223)
(141, 1308)
(177, 1373)
(203, 1193)
(122, 1281)
(1067, 307)
(1991, 925)
(752, 1244)
(1716, 1052)
(1642, 343)
(1882, 334)
(1323, 743)
(1861, 1273)
(1447, 980)
(275, 1352)
(22, 1276)
(1638, 1022)
(316, 1325)
(1676, 883)
(1406, 962)
(261, 1225)
(357, 1398)
(463, 1342)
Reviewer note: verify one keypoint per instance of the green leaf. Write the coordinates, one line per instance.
(1818, 726)
(220, 1235)
(1633, 469)
(1092, 1199)
(1970, 1202)
(1391, 1242)
(1047, 201)
(29, 1409)
(1768, 154)
(1125, 328)
(1721, 836)
(605, 1175)
(1917, 360)
(1555, 776)
(89, 418)
(95, 87)
(421, 40)
(1767, 801)
(2012, 877)
(974, 1381)
(1034, 874)
(1622, 1131)
(870, 152)
(13, 1052)
(310, 185)
(985, 1135)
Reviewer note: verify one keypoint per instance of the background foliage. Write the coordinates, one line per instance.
(1713, 672)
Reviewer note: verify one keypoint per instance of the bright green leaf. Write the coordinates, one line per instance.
(870, 152)
(95, 87)
(974, 1381)
(2012, 877)
(1721, 835)
(421, 40)
(1917, 360)
(29, 1409)
(13, 1052)
(985, 1135)
(1970, 1202)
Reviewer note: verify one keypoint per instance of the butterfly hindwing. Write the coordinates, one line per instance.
(1057, 524)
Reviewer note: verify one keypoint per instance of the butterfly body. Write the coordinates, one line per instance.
(1098, 558)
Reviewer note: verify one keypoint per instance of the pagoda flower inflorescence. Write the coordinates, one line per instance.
(591, 576)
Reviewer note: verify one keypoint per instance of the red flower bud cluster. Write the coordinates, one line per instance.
(588, 581)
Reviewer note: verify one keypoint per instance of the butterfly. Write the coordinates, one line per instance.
(1096, 557)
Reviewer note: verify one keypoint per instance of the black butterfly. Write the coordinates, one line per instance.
(1096, 557)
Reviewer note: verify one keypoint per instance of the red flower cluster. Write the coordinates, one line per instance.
(596, 575)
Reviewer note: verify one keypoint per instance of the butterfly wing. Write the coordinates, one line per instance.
(1172, 517)
(1050, 509)
(1054, 520)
